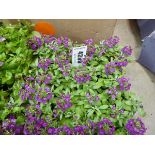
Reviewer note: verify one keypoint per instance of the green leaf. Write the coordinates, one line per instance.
(16, 109)
(4, 114)
(128, 108)
(7, 77)
(141, 112)
(118, 103)
(103, 107)
(20, 120)
(87, 106)
(128, 102)
(98, 85)
(80, 102)
(90, 113)
(58, 89)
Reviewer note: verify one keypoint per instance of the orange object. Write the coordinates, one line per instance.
(45, 28)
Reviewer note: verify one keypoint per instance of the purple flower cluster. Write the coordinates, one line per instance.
(135, 127)
(34, 125)
(48, 38)
(113, 92)
(43, 95)
(65, 102)
(27, 92)
(111, 42)
(105, 127)
(35, 43)
(9, 126)
(64, 65)
(52, 47)
(123, 83)
(92, 99)
(111, 67)
(33, 91)
(44, 63)
(121, 63)
(85, 61)
(40, 79)
(88, 42)
(65, 130)
(91, 52)
(64, 41)
(83, 78)
(127, 50)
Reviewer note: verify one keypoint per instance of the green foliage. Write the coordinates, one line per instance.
(14, 53)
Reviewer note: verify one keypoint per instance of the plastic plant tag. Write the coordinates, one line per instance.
(78, 54)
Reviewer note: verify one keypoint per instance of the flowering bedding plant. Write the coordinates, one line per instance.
(54, 97)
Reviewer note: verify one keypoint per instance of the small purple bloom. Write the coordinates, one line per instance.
(88, 42)
(127, 50)
(106, 127)
(124, 84)
(35, 43)
(113, 92)
(135, 127)
(111, 42)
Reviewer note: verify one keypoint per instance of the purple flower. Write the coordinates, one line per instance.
(44, 63)
(82, 78)
(67, 130)
(85, 61)
(106, 127)
(65, 73)
(87, 94)
(113, 107)
(48, 39)
(35, 43)
(59, 41)
(88, 42)
(64, 41)
(110, 68)
(135, 127)
(123, 83)
(121, 63)
(60, 106)
(127, 50)
(121, 111)
(79, 130)
(48, 78)
(67, 105)
(30, 78)
(111, 42)
(113, 92)
(66, 98)
(49, 96)
(91, 52)
(54, 131)
(97, 98)
(37, 106)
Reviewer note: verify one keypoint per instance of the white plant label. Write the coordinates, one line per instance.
(78, 54)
